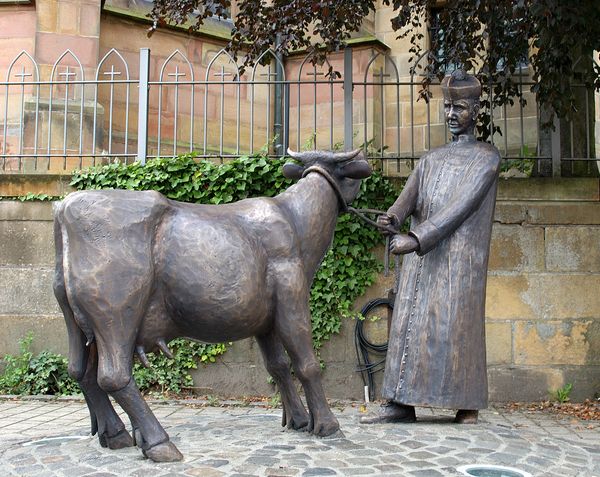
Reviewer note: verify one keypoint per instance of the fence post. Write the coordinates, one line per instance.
(348, 112)
(278, 126)
(142, 132)
(555, 147)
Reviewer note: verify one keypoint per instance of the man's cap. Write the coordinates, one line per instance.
(460, 85)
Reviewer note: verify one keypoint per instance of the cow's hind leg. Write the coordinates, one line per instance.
(277, 363)
(110, 427)
(115, 377)
(83, 367)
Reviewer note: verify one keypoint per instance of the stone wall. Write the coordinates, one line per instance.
(543, 306)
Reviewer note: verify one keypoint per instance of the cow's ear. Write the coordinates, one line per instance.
(292, 171)
(356, 170)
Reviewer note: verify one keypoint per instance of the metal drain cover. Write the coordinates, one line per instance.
(492, 471)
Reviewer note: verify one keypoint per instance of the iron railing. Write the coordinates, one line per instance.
(215, 110)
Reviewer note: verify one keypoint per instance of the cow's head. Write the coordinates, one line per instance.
(343, 170)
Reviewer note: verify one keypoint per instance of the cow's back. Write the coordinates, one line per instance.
(107, 243)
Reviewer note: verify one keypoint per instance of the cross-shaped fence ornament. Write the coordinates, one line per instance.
(177, 74)
(315, 74)
(112, 73)
(269, 75)
(222, 74)
(67, 74)
(22, 74)
(381, 75)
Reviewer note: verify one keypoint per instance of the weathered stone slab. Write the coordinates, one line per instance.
(516, 248)
(565, 213)
(14, 185)
(535, 383)
(27, 291)
(26, 243)
(498, 337)
(548, 213)
(49, 333)
(504, 299)
(543, 296)
(568, 342)
(573, 249)
(17, 210)
(549, 188)
(522, 384)
(239, 379)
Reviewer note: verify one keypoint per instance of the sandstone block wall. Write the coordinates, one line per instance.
(543, 305)
(543, 300)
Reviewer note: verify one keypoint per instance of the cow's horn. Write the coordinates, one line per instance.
(294, 155)
(346, 156)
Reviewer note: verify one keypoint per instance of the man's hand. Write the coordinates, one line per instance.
(386, 221)
(402, 244)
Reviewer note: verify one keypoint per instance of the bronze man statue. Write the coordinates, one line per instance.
(436, 350)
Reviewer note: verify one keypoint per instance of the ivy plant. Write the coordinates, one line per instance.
(44, 373)
(172, 374)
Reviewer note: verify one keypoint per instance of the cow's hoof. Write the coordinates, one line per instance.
(326, 428)
(336, 435)
(164, 452)
(298, 421)
(119, 441)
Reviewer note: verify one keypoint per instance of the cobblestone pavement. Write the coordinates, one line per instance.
(51, 438)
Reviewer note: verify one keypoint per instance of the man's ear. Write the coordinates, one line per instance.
(475, 110)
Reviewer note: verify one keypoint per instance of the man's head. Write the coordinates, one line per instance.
(461, 102)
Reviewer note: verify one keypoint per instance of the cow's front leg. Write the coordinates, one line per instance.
(115, 377)
(276, 362)
(292, 324)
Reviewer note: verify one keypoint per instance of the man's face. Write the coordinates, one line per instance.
(460, 115)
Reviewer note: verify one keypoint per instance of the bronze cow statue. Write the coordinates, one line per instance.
(135, 270)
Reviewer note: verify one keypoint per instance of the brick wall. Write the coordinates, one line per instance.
(543, 305)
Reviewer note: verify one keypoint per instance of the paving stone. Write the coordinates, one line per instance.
(448, 461)
(413, 444)
(426, 473)
(362, 461)
(248, 442)
(281, 472)
(417, 463)
(262, 461)
(204, 472)
(215, 462)
(319, 471)
(440, 450)
(422, 455)
(359, 471)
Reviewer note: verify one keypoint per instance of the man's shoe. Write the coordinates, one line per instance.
(466, 416)
(390, 412)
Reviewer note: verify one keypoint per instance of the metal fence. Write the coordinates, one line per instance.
(56, 120)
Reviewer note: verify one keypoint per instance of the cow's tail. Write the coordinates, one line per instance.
(80, 332)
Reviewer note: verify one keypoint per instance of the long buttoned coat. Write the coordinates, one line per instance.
(436, 350)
